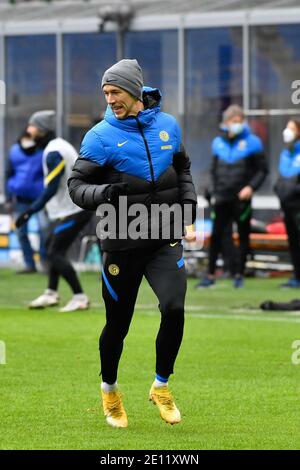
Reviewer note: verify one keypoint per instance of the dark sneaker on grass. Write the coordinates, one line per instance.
(238, 282)
(206, 282)
(291, 284)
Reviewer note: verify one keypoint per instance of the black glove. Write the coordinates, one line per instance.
(23, 218)
(113, 191)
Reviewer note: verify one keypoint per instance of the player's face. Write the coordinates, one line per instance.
(33, 132)
(122, 103)
(234, 120)
(291, 125)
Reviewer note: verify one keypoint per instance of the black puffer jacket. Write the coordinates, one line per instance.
(89, 183)
(287, 186)
(288, 191)
(237, 163)
(140, 157)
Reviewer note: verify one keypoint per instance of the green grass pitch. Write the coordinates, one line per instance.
(234, 382)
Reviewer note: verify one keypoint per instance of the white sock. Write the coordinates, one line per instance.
(109, 387)
(80, 296)
(158, 383)
(50, 292)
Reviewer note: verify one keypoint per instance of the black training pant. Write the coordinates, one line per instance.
(62, 236)
(292, 223)
(122, 274)
(223, 217)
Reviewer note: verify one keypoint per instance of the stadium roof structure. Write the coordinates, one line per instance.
(34, 10)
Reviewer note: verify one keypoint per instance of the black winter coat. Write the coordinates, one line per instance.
(89, 185)
(236, 163)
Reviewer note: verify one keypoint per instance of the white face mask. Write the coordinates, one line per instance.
(236, 128)
(27, 143)
(288, 135)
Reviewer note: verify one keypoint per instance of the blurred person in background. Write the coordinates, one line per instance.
(68, 219)
(238, 169)
(25, 183)
(226, 244)
(287, 189)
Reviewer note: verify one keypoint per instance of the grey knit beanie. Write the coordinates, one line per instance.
(232, 111)
(44, 120)
(126, 74)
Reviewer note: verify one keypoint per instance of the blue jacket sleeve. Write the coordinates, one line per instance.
(9, 172)
(92, 148)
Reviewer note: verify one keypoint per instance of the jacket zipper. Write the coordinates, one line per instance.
(147, 149)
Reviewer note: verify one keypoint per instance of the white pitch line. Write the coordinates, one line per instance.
(246, 318)
(233, 317)
(187, 307)
(208, 308)
(196, 311)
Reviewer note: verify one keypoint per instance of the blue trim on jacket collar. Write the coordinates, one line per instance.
(295, 148)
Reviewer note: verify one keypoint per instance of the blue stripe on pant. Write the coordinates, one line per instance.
(110, 289)
(65, 226)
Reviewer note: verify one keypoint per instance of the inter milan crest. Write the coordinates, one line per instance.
(164, 136)
(242, 144)
(113, 269)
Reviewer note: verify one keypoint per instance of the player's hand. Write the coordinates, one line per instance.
(23, 218)
(113, 191)
(190, 234)
(190, 237)
(245, 194)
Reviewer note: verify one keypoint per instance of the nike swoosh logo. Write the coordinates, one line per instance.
(122, 143)
(173, 244)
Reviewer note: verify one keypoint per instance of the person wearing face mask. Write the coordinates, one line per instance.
(287, 189)
(238, 169)
(68, 219)
(24, 176)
